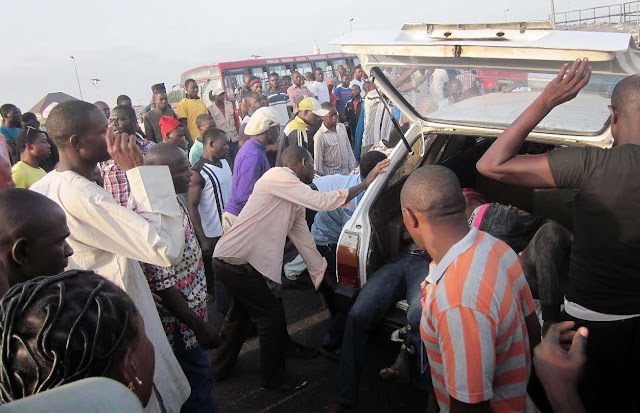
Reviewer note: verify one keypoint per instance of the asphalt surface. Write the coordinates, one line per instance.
(307, 320)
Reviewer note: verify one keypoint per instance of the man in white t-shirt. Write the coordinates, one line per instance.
(358, 74)
(319, 87)
(208, 194)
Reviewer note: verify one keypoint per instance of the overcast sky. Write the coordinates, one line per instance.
(132, 44)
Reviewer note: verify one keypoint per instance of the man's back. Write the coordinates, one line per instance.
(604, 269)
(328, 225)
(474, 327)
(250, 164)
(274, 211)
(216, 192)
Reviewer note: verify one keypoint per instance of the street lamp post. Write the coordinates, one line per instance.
(553, 12)
(351, 23)
(94, 82)
(505, 15)
(77, 78)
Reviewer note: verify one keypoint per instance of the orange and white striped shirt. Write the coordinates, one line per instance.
(473, 325)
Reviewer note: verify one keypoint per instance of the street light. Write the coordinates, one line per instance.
(255, 56)
(350, 23)
(94, 82)
(77, 78)
(553, 12)
(505, 15)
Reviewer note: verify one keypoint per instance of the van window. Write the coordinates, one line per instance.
(495, 98)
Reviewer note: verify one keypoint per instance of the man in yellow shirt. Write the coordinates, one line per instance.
(34, 148)
(189, 108)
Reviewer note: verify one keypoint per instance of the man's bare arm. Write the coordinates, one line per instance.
(193, 201)
(502, 162)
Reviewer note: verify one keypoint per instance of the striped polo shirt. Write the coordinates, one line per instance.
(473, 325)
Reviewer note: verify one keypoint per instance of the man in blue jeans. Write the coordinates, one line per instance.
(391, 283)
(326, 230)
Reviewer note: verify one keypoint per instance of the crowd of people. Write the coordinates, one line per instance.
(113, 239)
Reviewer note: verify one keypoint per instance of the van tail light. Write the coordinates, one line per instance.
(347, 260)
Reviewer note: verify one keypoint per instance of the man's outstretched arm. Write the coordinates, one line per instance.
(502, 162)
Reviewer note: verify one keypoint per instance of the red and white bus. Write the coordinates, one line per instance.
(228, 75)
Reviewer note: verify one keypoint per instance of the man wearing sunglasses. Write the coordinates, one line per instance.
(34, 148)
(123, 120)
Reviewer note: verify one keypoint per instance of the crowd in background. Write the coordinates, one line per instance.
(202, 203)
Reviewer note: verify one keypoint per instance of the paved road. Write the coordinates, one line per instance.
(308, 320)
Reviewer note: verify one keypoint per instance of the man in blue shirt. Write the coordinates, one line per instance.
(326, 230)
(343, 95)
(11, 128)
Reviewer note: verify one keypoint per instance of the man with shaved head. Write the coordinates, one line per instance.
(103, 107)
(603, 293)
(33, 237)
(110, 239)
(183, 289)
(478, 307)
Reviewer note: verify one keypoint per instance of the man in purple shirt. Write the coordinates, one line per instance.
(251, 161)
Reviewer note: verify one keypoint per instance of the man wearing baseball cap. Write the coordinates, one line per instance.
(173, 132)
(251, 162)
(309, 113)
(225, 116)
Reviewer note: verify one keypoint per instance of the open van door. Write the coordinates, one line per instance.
(477, 78)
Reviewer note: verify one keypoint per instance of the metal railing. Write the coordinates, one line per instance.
(613, 14)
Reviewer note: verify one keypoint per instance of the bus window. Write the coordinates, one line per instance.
(260, 74)
(281, 70)
(339, 62)
(303, 68)
(207, 87)
(322, 64)
(232, 81)
(326, 68)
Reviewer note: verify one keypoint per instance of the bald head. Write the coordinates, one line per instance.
(294, 155)
(103, 107)
(177, 161)
(164, 154)
(33, 234)
(434, 192)
(69, 118)
(626, 97)
(23, 213)
(252, 97)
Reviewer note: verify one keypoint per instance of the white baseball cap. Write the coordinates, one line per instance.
(217, 91)
(261, 120)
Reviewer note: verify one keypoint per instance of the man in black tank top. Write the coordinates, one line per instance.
(604, 276)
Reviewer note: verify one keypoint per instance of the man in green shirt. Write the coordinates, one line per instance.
(204, 121)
